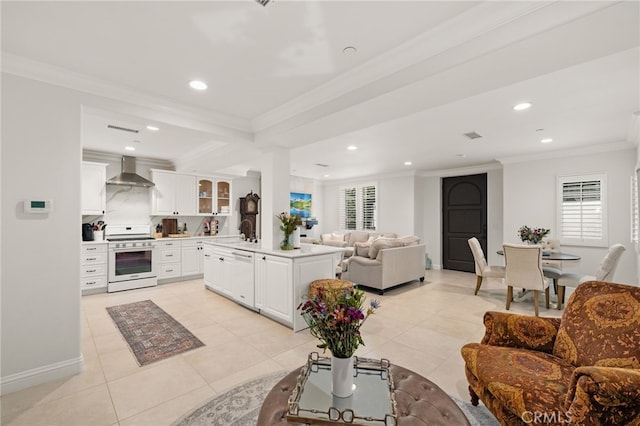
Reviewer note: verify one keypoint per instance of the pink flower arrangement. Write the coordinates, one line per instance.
(335, 316)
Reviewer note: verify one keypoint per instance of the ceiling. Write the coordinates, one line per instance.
(425, 73)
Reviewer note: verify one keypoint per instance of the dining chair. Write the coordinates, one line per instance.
(523, 269)
(483, 270)
(605, 272)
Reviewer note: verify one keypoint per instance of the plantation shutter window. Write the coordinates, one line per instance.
(582, 210)
(358, 207)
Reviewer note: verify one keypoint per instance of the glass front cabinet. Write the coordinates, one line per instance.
(223, 202)
(214, 197)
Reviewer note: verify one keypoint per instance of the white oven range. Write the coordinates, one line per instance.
(132, 257)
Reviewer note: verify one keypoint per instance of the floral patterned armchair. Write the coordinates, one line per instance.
(583, 368)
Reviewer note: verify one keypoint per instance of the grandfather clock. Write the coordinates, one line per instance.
(248, 213)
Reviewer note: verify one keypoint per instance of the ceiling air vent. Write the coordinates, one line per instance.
(124, 129)
(472, 135)
(321, 165)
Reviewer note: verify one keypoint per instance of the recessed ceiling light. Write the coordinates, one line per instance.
(522, 106)
(408, 163)
(546, 140)
(352, 147)
(129, 148)
(326, 175)
(153, 128)
(198, 85)
(349, 51)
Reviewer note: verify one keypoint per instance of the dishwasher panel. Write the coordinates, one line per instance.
(243, 289)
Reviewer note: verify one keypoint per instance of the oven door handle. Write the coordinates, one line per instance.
(130, 249)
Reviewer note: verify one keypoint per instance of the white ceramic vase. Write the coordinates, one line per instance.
(342, 376)
(295, 238)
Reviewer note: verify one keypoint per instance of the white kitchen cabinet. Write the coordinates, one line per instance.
(93, 268)
(174, 194)
(192, 257)
(274, 287)
(208, 265)
(220, 275)
(168, 256)
(94, 191)
(214, 196)
(223, 199)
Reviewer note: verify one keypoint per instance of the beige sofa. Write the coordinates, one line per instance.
(349, 240)
(390, 262)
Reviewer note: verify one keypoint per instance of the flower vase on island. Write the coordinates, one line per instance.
(334, 316)
(288, 224)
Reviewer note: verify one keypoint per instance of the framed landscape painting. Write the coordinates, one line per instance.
(300, 204)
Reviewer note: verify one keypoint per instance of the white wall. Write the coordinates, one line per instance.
(396, 212)
(41, 157)
(530, 199)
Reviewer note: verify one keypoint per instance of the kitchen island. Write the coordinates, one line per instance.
(270, 281)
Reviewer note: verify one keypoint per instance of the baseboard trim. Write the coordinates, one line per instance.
(37, 376)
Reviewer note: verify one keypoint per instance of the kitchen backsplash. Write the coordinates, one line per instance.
(129, 205)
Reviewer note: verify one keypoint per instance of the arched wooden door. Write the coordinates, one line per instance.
(464, 215)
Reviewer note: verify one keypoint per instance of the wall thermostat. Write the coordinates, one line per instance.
(38, 206)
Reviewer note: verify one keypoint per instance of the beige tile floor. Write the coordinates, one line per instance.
(420, 326)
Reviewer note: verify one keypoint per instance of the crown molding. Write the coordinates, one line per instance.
(536, 17)
(461, 171)
(110, 157)
(58, 76)
(583, 150)
(362, 179)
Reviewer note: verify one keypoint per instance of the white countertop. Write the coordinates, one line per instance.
(305, 250)
(193, 237)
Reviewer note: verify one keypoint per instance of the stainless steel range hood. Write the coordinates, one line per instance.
(128, 175)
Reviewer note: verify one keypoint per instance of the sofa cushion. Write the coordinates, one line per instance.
(362, 249)
(357, 237)
(601, 326)
(381, 244)
(333, 236)
(409, 240)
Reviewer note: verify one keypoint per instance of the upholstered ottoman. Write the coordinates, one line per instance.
(328, 283)
(420, 402)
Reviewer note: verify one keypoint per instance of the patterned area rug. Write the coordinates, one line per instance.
(240, 406)
(151, 333)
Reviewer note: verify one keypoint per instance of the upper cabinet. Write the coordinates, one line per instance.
(94, 191)
(223, 199)
(214, 196)
(173, 194)
(187, 195)
(205, 196)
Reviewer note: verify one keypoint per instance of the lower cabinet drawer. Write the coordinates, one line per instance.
(90, 270)
(169, 270)
(93, 282)
(88, 258)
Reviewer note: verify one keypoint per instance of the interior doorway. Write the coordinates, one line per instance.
(464, 215)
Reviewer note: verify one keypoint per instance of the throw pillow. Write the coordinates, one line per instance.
(362, 249)
(409, 240)
(337, 237)
(381, 244)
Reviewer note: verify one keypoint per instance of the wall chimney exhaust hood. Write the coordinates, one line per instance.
(128, 175)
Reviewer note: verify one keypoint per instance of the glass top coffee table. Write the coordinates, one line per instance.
(372, 401)
(418, 401)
